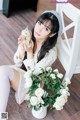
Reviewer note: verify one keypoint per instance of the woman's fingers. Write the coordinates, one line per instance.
(20, 39)
(23, 45)
(31, 44)
(28, 47)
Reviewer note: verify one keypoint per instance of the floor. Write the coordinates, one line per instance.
(10, 29)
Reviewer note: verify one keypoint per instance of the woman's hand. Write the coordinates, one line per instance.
(29, 48)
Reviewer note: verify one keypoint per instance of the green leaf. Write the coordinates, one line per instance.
(50, 86)
(37, 107)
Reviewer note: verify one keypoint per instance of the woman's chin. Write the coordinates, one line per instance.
(37, 37)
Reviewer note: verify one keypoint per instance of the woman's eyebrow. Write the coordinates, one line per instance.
(47, 26)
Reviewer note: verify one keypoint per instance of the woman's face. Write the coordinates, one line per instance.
(42, 30)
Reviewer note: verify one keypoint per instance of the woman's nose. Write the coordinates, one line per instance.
(41, 28)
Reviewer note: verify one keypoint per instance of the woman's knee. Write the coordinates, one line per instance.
(6, 71)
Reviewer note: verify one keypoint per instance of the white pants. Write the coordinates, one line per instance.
(6, 75)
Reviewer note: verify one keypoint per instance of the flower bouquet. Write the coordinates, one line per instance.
(48, 89)
(26, 34)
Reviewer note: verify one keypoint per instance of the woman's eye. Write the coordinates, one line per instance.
(47, 29)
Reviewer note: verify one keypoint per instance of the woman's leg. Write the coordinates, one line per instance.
(6, 75)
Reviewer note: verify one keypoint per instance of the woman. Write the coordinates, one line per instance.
(41, 53)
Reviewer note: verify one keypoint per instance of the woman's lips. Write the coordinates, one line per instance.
(37, 34)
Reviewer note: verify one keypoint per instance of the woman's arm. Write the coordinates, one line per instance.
(19, 56)
(20, 53)
(47, 61)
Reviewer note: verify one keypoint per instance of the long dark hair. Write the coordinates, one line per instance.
(50, 41)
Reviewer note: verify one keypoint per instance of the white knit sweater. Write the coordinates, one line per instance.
(47, 61)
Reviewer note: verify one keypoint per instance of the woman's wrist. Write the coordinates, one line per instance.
(21, 56)
(29, 55)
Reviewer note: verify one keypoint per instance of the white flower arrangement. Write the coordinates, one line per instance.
(46, 89)
(26, 34)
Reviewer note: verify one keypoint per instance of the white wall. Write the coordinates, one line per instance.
(1, 1)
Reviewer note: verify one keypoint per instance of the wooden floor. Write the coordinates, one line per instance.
(10, 29)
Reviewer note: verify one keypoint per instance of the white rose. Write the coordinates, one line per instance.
(53, 76)
(49, 69)
(66, 98)
(39, 92)
(61, 100)
(34, 100)
(27, 97)
(28, 82)
(67, 80)
(40, 100)
(58, 107)
(67, 88)
(56, 70)
(60, 75)
(64, 92)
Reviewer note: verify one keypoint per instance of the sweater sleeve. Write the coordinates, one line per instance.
(29, 64)
(17, 60)
(47, 61)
